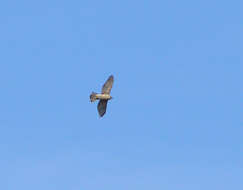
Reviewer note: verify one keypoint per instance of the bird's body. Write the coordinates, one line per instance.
(95, 96)
(104, 96)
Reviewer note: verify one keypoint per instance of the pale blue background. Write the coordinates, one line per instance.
(176, 118)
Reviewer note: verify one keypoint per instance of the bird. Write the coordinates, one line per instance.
(103, 97)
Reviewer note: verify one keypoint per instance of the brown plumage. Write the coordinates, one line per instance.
(106, 89)
(104, 96)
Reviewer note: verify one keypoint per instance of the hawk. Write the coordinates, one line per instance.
(104, 96)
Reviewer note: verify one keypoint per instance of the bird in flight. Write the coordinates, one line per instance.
(104, 96)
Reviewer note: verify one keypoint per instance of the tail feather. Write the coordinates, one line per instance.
(93, 96)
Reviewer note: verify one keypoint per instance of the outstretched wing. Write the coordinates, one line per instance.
(106, 89)
(102, 107)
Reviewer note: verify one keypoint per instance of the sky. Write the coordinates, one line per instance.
(176, 118)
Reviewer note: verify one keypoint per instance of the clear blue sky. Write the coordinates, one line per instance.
(176, 118)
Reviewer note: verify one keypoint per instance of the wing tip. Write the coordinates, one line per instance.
(111, 77)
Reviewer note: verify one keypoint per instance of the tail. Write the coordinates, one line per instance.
(93, 97)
